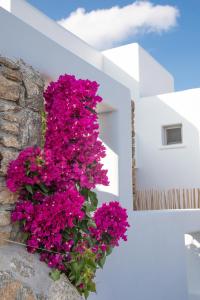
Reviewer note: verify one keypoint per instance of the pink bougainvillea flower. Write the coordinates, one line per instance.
(55, 203)
(111, 219)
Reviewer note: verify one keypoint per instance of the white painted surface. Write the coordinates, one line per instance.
(36, 19)
(130, 64)
(127, 59)
(109, 137)
(6, 4)
(30, 15)
(194, 297)
(175, 166)
(114, 71)
(152, 265)
(192, 251)
(154, 79)
(149, 77)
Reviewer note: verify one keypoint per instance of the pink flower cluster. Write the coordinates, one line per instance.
(18, 174)
(55, 202)
(111, 222)
(72, 122)
(47, 219)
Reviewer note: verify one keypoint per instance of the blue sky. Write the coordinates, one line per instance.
(177, 49)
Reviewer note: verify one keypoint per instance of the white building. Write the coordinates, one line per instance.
(154, 264)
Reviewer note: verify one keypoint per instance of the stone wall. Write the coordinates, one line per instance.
(21, 103)
(22, 275)
(133, 153)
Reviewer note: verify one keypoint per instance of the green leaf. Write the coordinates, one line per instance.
(87, 209)
(29, 188)
(101, 262)
(90, 240)
(91, 223)
(92, 287)
(77, 237)
(84, 192)
(75, 267)
(79, 281)
(93, 197)
(25, 236)
(28, 172)
(84, 226)
(66, 235)
(86, 294)
(106, 237)
(109, 250)
(55, 274)
(88, 214)
(91, 109)
(94, 200)
(23, 222)
(43, 188)
(71, 277)
(91, 264)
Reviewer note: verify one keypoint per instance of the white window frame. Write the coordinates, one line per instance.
(164, 134)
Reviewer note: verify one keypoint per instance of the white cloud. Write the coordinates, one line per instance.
(103, 28)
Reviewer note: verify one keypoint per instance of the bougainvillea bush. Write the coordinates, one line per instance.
(57, 207)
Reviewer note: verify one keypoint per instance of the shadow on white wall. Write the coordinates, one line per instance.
(192, 246)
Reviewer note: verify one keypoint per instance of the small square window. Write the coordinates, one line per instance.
(172, 134)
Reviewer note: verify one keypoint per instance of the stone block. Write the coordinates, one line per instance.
(9, 63)
(7, 197)
(11, 74)
(4, 218)
(8, 106)
(2, 183)
(9, 127)
(10, 290)
(10, 141)
(34, 87)
(21, 102)
(35, 102)
(24, 277)
(10, 116)
(9, 90)
(16, 235)
(30, 128)
(6, 155)
(4, 237)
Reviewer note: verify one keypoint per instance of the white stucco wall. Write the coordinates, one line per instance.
(127, 59)
(36, 19)
(192, 249)
(130, 65)
(148, 76)
(152, 264)
(164, 167)
(114, 70)
(30, 15)
(154, 78)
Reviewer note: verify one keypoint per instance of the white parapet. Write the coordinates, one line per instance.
(36, 19)
(150, 78)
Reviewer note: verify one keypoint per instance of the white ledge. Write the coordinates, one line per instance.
(176, 146)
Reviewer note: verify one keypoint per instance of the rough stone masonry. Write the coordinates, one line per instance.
(22, 275)
(21, 103)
